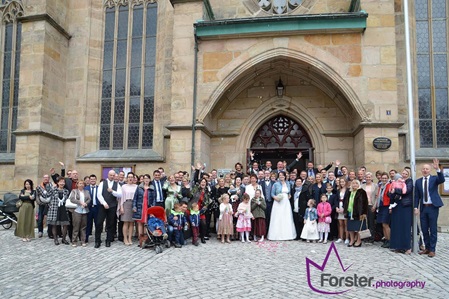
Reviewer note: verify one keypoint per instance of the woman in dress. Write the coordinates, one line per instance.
(81, 198)
(126, 208)
(141, 202)
(282, 226)
(213, 208)
(401, 218)
(342, 221)
(25, 220)
(355, 206)
(173, 194)
(201, 196)
(57, 213)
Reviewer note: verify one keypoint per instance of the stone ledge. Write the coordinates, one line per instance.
(49, 19)
(146, 155)
(43, 133)
(7, 158)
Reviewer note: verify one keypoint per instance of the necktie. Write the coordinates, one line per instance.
(310, 173)
(159, 190)
(426, 193)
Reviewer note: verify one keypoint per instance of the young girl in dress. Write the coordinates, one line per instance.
(310, 232)
(324, 211)
(244, 218)
(258, 207)
(225, 226)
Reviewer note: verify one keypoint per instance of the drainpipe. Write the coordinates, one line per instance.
(195, 80)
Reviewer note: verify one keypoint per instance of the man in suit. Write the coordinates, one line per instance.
(159, 194)
(429, 202)
(93, 206)
(108, 195)
(298, 202)
(267, 184)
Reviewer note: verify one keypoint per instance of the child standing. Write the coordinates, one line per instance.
(195, 223)
(310, 232)
(225, 227)
(177, 221)
(324, 211)
(244, 218)
(258, 207)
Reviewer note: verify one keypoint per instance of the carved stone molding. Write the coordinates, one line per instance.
(115, 3)
(279, 7)
(12, 10)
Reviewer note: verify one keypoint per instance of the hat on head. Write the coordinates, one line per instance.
(397, 176)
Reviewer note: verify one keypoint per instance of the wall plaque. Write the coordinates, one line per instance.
(382, 143)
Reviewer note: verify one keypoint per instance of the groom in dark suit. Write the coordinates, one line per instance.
(429, 202)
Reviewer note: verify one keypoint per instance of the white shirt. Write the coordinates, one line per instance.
(429, 201)
(117, 193)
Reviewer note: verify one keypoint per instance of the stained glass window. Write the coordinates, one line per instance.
(432, 66)
(128, 75)
(10, 69)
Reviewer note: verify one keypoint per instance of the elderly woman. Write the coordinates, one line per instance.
(25, 221)
(355, 206)
(81, 198)
(401, 218)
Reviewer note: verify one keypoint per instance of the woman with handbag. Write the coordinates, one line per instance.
(26, 218)
(401, 218)
(355, 207)
(81, 198)
(57, 212)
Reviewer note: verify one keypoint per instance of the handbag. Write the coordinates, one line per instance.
(19, 203)
(328, 219)
(363, 234)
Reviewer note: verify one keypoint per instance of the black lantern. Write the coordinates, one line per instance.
(280, 88)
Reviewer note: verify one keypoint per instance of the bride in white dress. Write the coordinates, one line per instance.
(282, 226)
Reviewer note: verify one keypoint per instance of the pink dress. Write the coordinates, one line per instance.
(244, 217)
(323, 207)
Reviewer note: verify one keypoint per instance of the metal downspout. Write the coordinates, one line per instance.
(195, 80)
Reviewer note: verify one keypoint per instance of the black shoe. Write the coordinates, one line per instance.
(386, 244)
(360, 245)
(50, 237)
(97, 245)
(203, 240)
(108, 243)
(56, 241)
(206, 238)
(178, 245)
(64, 241)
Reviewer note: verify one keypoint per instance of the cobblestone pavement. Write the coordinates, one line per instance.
(39, 269)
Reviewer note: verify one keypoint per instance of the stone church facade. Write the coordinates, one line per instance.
(146, 83)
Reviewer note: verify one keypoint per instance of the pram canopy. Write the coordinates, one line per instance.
(8, 205)
(158, 212)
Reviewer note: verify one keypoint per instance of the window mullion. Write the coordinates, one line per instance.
(142, 74)
(114, 70)
(432, 76)
(128, 77)
(11, 85)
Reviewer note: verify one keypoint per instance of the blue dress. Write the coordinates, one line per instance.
(401, 221)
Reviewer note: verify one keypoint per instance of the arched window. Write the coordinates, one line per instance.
(281, 132)
(127, 101)
(432, 65)
(11, 31)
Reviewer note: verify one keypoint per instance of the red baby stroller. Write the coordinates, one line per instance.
(156, 238)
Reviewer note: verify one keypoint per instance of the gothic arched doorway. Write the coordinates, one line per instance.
(279, 139)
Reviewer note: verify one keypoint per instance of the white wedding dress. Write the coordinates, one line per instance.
(282, 226)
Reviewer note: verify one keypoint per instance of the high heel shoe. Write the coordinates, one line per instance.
(360, 245)
(56, 241)
(350, 245)
(64, 241)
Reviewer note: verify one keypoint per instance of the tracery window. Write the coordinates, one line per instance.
(127, 101)
(432, 59)
(281, 132)
(279, 7)
(11, 31)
